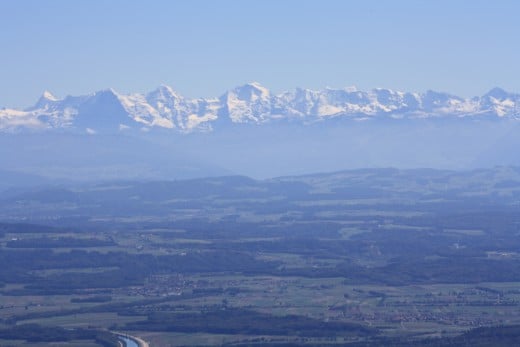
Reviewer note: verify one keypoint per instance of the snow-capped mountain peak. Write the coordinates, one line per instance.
(108, 110)
(249, 102)
(49, 96)
(163, 92)
(500, 103)
(45, 100)
(497, 93)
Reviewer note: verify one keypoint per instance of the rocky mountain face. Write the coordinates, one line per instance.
(107, 111)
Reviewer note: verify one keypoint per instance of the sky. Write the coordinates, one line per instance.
(202, 48)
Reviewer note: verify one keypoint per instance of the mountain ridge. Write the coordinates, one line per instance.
(110, 111)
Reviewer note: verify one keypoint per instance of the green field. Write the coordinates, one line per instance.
(342, 259)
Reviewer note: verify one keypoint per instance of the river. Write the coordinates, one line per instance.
(128, 341)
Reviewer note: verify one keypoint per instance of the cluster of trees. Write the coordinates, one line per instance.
(496, 336)
(37, 333)
(92, 299)
(59, 242)
(126, 269)
(499, 336)
(246, 322)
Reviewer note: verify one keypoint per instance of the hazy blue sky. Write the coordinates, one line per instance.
(202, 48)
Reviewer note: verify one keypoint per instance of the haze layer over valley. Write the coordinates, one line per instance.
(251, 131)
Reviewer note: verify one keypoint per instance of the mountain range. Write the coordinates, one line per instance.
(108, 111)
